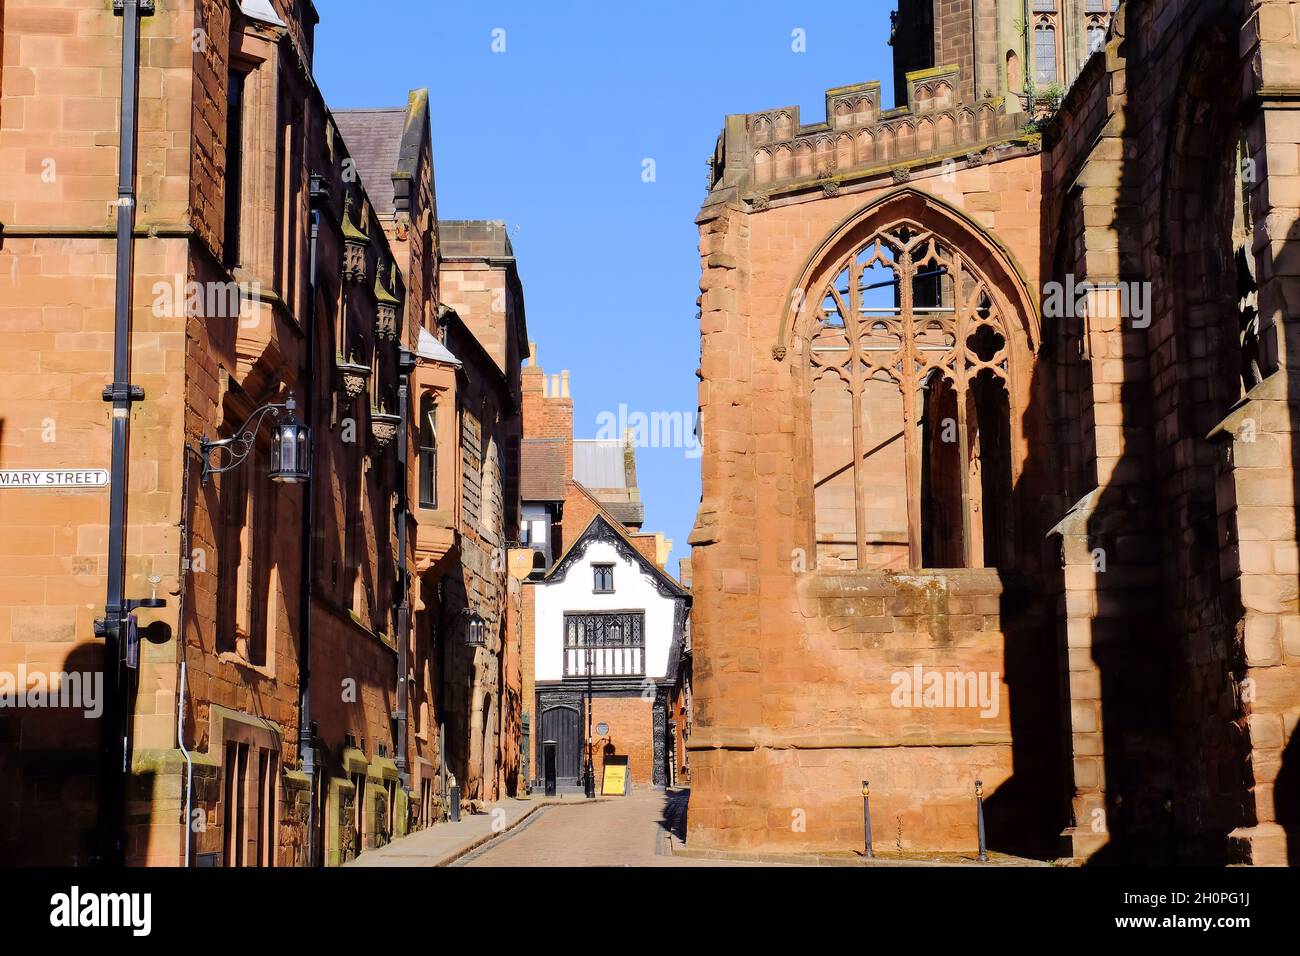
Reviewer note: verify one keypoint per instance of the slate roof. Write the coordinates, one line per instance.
(374, 141)
(606, 469)
(631, 513)
(598, 463)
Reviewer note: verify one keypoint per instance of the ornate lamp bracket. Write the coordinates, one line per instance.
(222, 454)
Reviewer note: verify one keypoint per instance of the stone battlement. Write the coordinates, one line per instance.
(773, 151)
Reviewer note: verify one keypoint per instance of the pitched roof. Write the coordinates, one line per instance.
(601, 526)
(600, 463)
(541, 469)
(607, 468)
(374, 141)
(629, 512)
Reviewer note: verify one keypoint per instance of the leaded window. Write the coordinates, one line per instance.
(1045, 73)
(604, 644)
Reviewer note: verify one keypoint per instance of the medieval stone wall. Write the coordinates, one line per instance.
(764, 747)
(1192, 462)
(1144, 614)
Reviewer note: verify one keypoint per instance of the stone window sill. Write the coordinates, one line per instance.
(230, 657)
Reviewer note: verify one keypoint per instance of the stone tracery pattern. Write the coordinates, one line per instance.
(908, 309)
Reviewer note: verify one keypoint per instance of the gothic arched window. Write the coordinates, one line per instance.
(909, 368)
(1096, 35)
(1045, 72)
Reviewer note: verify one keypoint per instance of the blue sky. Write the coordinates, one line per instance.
(552, 135)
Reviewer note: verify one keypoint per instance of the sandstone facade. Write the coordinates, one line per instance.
(920, 465)
(271, 261)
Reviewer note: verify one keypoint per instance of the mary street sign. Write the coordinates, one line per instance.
(53, 478)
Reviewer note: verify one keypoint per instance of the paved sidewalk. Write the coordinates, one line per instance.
(444, 843)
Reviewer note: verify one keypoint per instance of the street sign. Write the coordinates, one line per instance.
(53, 478)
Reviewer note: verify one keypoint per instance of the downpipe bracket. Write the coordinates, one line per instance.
(123, 393)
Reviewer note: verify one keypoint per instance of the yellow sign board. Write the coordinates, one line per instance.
(615, 782)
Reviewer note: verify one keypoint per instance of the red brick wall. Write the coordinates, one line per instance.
(546, 413)
(528, 671)
(631, 732)
(647, 546)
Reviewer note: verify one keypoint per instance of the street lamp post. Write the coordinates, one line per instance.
(589, 775)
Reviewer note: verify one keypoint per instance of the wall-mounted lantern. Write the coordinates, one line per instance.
(290, 446)
(475, 630)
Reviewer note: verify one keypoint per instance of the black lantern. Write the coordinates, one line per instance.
(290, 446)
(475, 628)
(290, 449)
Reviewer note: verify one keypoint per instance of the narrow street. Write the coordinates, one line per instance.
(620, 831)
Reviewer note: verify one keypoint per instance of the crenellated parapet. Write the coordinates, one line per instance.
(773, 151)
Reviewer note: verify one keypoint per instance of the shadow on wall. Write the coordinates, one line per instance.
(676, 805)
(52, 784)
(1286, 798)
(1164, 635)
(1023, 816)
(455, 674)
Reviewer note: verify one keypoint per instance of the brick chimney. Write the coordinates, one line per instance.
(547, 406)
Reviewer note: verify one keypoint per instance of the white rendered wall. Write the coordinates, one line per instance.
(634, 590)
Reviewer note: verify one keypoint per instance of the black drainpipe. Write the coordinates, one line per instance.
(405, 365)
(115, 754)
(306, 729)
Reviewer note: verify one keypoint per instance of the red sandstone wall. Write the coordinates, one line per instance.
(58, 150)
(828, 723)
(528, 671)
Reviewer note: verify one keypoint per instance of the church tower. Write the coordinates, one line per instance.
(1005, 48)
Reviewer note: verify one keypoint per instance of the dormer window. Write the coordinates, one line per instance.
(604, 578)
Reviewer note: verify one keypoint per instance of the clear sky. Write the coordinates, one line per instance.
(553, 134)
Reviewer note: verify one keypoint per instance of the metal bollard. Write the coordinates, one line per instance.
(979, 818)
(866, 816)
